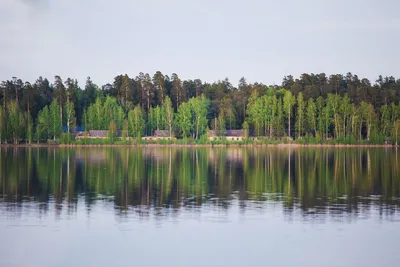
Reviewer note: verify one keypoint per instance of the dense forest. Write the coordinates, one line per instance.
(312, 106)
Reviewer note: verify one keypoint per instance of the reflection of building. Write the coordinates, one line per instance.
(235, 155)
(157, 153)
(158, 135)
(232, 154)
(92, 156)
(232, 135)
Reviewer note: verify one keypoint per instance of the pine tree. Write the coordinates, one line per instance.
(160, 88)
(60, 95)
(177, 93)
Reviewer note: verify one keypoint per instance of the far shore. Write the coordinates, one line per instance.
(291, 145)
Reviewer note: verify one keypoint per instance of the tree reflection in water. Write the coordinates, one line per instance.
(154, 181)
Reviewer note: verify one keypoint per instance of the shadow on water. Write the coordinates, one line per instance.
(310, 182)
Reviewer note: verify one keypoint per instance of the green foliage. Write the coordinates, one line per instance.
(112, 132)
(125, 131)
(16, 122)
(226, 109)
(221, 125)
(136, 122)
(67, 138)
(184, 119)
(288, 102)
(396, 132)
(100, 114)
(311, 117)
(335, 107)
(255, 111)
(300, 117)
(169, 114)
(43, 128)
(199, 106)
(245, 129)
(29, 129)
(309, 139)
(54, 120)
(385, 119)
(202, 140)
(345, 115)
(69, 116)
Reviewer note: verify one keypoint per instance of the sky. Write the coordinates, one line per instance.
(261, 40)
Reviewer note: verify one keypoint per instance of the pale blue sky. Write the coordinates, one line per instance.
(211, 39)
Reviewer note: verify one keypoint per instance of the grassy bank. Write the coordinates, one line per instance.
(205, 143)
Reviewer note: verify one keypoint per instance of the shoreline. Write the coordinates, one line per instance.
(198, 145)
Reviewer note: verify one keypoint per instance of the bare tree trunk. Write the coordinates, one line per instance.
(266, 130)
(336, 126)
(197, 130)
(270, 129)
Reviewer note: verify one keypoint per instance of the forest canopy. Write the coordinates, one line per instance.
(312, 105)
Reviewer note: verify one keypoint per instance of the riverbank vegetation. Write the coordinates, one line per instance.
(313, 109)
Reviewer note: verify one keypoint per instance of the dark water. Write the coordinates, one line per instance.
(199, 207)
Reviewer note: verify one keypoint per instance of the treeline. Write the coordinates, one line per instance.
(280, 113)
(314, 105)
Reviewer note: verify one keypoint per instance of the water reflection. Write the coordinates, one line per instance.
(310, 183)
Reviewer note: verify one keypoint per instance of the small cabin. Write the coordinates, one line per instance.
(98, 134)
(158, 135)
(231, 135)
(95, 134)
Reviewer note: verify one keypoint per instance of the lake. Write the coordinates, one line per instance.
(199, 207)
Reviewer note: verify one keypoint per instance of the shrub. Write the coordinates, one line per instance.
(67, 138)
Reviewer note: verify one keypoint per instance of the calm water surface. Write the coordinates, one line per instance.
(199, 207)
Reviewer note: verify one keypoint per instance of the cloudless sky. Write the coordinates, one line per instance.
(262, 40)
